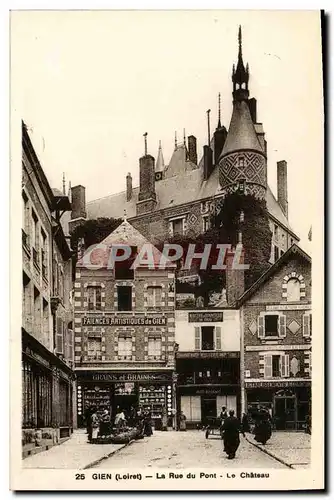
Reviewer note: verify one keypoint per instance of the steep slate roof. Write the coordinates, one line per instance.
(293, 250)
(241, 132)
(174, 191)
(124, 234)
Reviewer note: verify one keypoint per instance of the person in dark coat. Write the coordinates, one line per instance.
(263, 430)
(231, 428)
(148, 423)
(244, 424)
(88, 417)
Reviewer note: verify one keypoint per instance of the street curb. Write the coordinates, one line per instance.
(269, 453)
(108, 455)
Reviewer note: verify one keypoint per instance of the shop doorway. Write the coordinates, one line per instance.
(125, 397)
(285, 410)
(208, 410)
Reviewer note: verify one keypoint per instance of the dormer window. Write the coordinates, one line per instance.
(241, 161)
(241, 185)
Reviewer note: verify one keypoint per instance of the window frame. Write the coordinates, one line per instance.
(125, 337)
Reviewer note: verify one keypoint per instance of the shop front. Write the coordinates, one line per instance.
(289, 402)
(205, 383)
(47, 389)
(111, 390)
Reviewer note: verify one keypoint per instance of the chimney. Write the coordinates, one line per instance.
(192, 149)
(78, 194)
(128, 187)
(252, 108)
(208, 164)
(235, 278)
(282, 186)
(147, 197)
(219, 141)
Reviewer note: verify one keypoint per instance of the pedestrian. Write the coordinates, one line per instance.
(88, 413)
(183, 419)
(231, 428)
(148, 422)
(223, 415)
(105, 423)
(244, 424)
(263, 430)
(95, 425)
(164, 419)
(120, 418)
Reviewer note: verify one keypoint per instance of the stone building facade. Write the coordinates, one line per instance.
(180, 197)
(47, 313)
(124, 325)
(276, 341)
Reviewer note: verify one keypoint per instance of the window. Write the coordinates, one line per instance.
(25, 220)
(307, 325)
(275, 231)
(154, 296)
(241, 161)
(37, 311)
(276, 253)
(123, 268)
(177, 226)
(207, 338)
(70, 334)
(34, 230)
(154, 347)
(293, 290)
(125, 347)
(206, 223)
(124, 298)
(46, 318)
(59, 336)
(241, 185)
(276, 365)
(44, 254)
(271, 326)
(61, 282)
(94, 348)
(94, 298)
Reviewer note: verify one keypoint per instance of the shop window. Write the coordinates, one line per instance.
(94, 298)
(124, 298)
(154, 348)
(154, 296)
(94, 348)
(124, 347)
(276, 365)
(124, 268)
(293, 290)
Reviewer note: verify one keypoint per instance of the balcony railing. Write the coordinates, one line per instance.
(35, 258)
(25, 241)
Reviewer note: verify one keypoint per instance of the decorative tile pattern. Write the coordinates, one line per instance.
(253, 328)
(294, 327)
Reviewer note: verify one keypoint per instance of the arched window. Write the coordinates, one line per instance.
(293, 290)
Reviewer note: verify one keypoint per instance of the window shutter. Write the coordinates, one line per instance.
(306, 325)
(218, 339)
(260, 327)
(282, 326)
(70, 344)
(286, 365)
(65, 337)
(59, 336)
(197, 338)
(268, 366)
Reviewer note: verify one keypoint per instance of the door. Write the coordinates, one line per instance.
(209, 410)
(285, 409)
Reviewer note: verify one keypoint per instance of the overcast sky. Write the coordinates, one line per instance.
(91, 83)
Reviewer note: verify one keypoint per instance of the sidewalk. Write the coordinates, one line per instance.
(291, 448)
(75, 453)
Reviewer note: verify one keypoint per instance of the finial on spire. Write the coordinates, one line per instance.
(160, 145)
(69, 191)
(240, 74)
(240, 40)
(64, 184)
(208, 113)
(184, 137)
(219, 111)
(145, 139)
(124, 216)
(175, 140)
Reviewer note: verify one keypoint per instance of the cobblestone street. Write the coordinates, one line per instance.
(187, 449)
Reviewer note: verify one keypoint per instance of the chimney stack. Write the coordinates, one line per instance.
(282, 186)
(78, 194)
(147, 197)
(219, 141)
(252, 104)
(208, 163)
(192, 149)
(128, 187)
(235, 278)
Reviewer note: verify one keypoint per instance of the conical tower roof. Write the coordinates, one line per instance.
(241, 133)
(160, 164)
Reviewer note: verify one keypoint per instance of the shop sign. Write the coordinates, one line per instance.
(131, 377)
(36, 356)
(289, 307)
(207, 354)
(273, 384)
(205, 317)
(123, 320)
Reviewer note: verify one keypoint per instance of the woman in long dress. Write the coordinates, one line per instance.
(95, 425)
(231, 428)
(183, 419)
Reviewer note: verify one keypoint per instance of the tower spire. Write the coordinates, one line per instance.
(219, 112)
(175, 140)
(64, 184)
(209, 138)
(240, 74)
